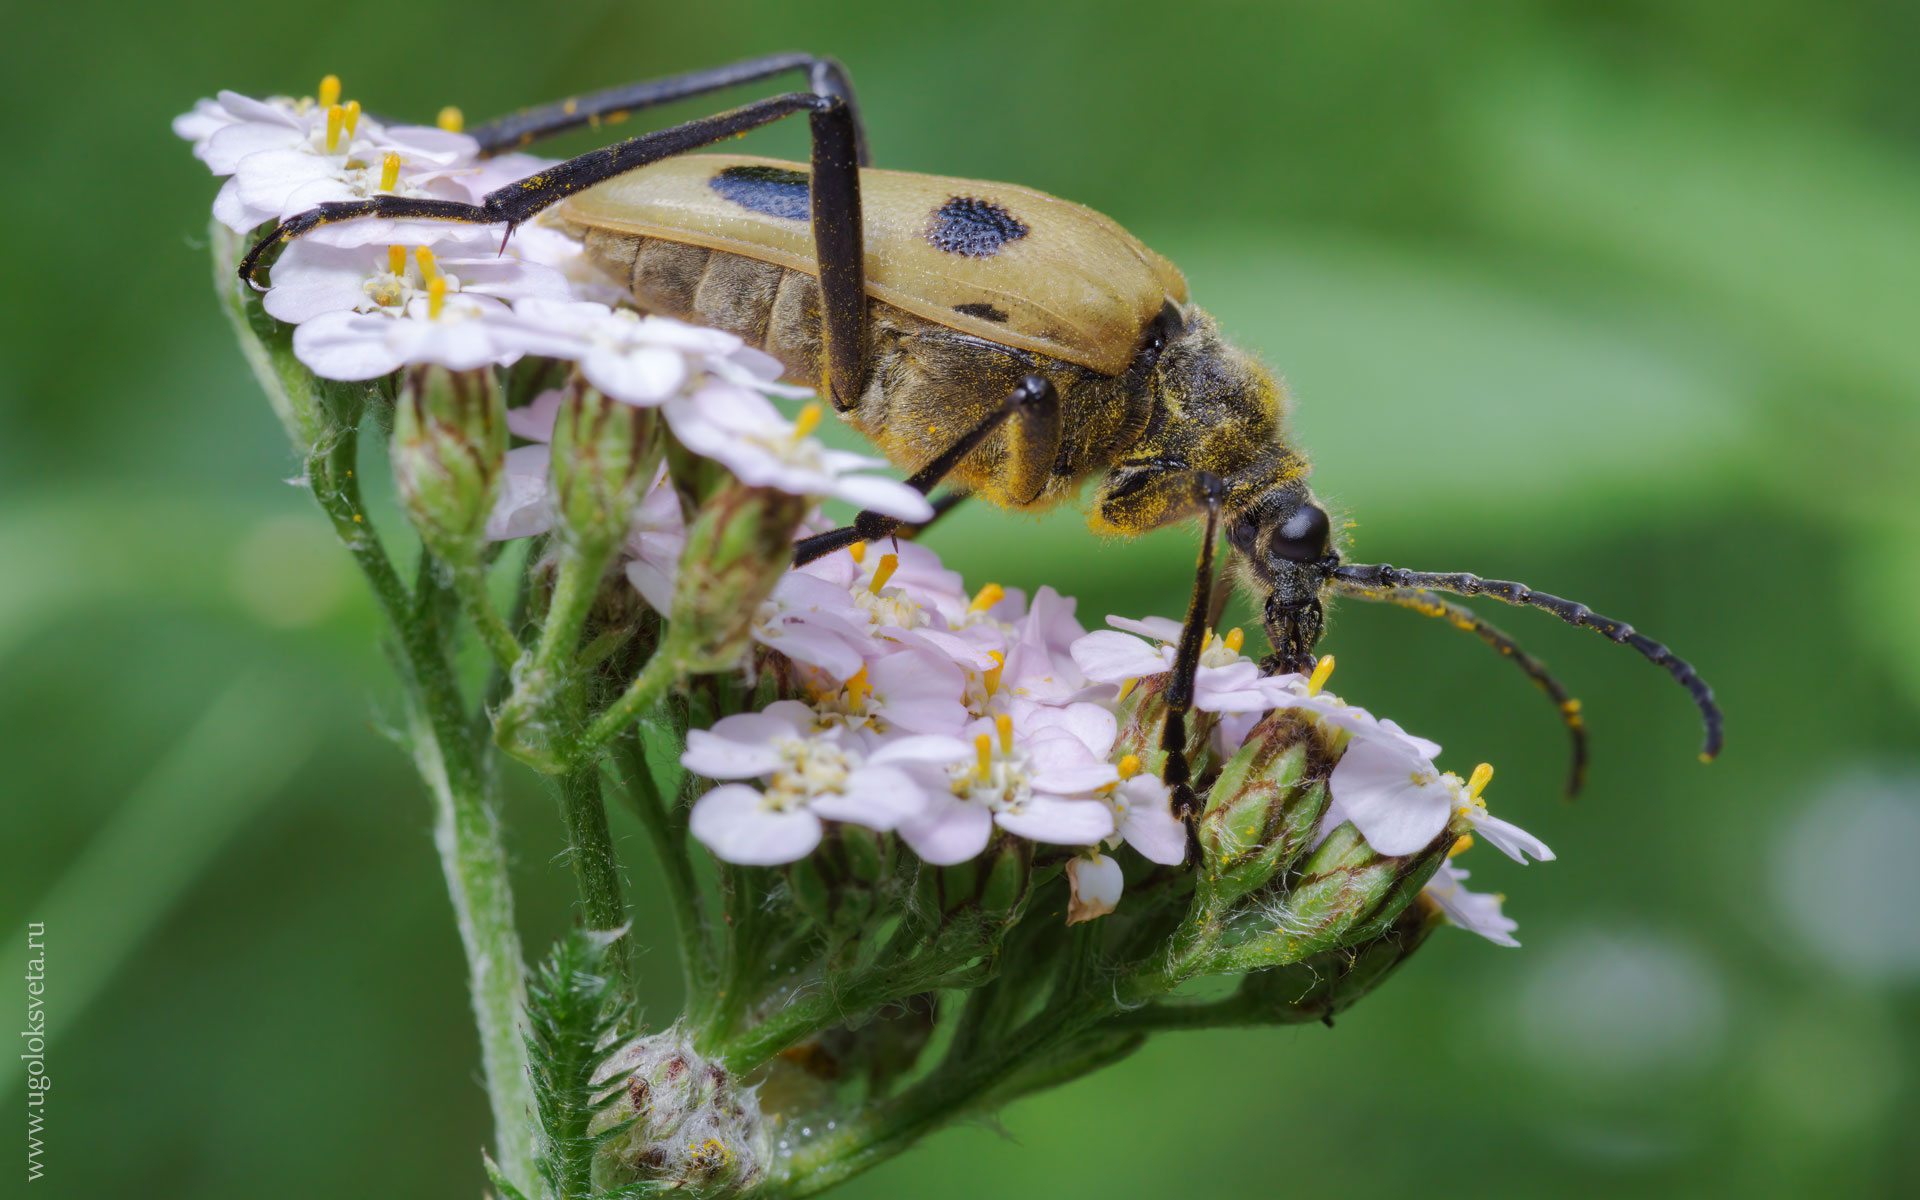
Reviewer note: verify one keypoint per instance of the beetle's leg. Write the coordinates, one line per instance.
(835, 195)
(824, 76)
(1176, 771)
(1462, 617)
(1032, 400)
(941, 507)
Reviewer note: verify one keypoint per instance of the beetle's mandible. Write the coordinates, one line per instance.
(983, 334)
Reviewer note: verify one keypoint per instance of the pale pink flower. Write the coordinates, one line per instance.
(1475, 912)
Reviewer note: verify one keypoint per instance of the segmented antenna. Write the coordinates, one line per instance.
(1464, 618)
(1572, 612)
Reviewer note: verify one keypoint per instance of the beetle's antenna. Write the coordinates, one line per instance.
(1462, 617)
(1573, 613)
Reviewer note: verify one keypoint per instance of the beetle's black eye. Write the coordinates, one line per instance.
(1303, 536)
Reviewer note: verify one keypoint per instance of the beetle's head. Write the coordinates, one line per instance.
(1284, 543)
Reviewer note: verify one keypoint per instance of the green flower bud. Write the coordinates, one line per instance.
(1328, 984)
(841, 885)
(738, 546)
(604, 455)
(1265, 805)
(1347, 893)
(994, 884)
(692, 1125)
(449, 449)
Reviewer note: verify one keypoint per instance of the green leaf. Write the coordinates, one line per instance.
(574, 1021)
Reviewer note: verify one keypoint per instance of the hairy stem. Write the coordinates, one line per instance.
(649, 803)
(546, 685)
(641, 695)
(470, 584)
(450, 753)
(596, 869)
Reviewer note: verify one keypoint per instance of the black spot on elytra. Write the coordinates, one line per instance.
(973, 227)
(986, 312)
(775, 191)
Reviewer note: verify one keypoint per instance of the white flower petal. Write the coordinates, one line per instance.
(735, 822)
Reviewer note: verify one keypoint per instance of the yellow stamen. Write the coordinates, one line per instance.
(436, 295)
(1481, 777)
(859, 552)
(429, 269)
(451, 119)
(1129, 766)
(1004, 724)
(336, 117)
(352, 117)
(1461, 844)
(329, 90)
(857, 689)
(988, 596)
(389, 172)
(1126, 685)
(808, 420)
(1318, 679)
(991, 676)
(889, 563)
(1236, 638)
(983, 752)
(397, 259)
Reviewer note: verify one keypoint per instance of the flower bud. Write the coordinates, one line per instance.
(693, 1126)
(604, 454)
(1265, 806)
(449, 449)
(738, 546)
(993, 884)
(839, 886)
(1325, 985)
(1348, 893)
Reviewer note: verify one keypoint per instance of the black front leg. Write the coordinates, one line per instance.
(1176, 771)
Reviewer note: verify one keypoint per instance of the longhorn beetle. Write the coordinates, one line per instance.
(991, 335)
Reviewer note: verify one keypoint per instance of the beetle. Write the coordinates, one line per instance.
(986, 334)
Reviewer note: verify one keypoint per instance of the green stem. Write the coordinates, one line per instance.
(641, 695)
(470, 584)
(596, 869)
(450, 754)
(649, 804)
(543, 690)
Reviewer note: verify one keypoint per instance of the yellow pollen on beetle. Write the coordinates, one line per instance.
(1318, 679)
(983, 754)
(987, 597)
(857, 689)
(451, 119)
(429, 269)
(889, 563)
(351, 118)
(1004, 723)
(397, 260)
(991, 676)
(1236, 638)
(859, 552)
(1477, 782)
(336, 118)
(436, 295)
(329, 91)
(1461, 844)
(389, 172)
(808, 420)
(1129, 766)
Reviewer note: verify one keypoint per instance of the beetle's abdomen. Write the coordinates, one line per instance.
(767, 305)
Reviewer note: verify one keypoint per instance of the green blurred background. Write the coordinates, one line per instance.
(1618, 299)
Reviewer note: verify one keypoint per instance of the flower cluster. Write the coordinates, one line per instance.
(907, 705)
